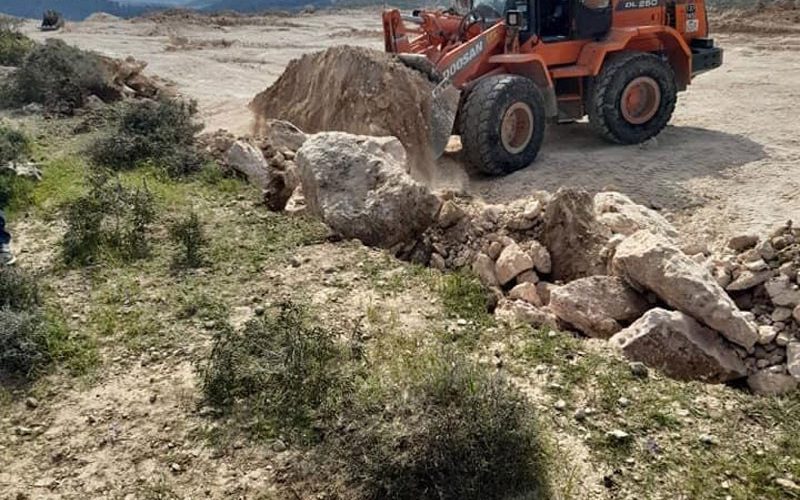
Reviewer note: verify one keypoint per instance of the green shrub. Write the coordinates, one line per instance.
(189, 236)
(58, 76)
(441, 428)
(23, 342)
(18, 290)
(160, 132)
(14, 145)
(280, 374)
(111, 218)
(14, 46)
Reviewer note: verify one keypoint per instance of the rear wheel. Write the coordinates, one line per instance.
(502, 124)
(633, 98)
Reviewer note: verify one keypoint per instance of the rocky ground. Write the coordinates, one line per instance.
(662, 364)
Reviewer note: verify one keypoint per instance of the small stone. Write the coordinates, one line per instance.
(461, 322)
(526, 292)
(278, 446)
(438, 262)
(541, 257)
(796, 314)
(766, 250)
(766, 334)
(483, 266)
(787, 484)
(783, 292)
(638, 369)
(747, 279)
(31, 403)
(529, 276)
(770, 383)
(743, 242)
(618, 435)
(153, 398)
(259, 310)
(708, 439)
(757, 266)
(174, 467)
(560, 405)
(580, 414)
(494, 250)
(624, 402)
(783, 339)
(781, 314)
(450, 214)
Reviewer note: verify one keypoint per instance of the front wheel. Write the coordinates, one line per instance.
(502, 126)
(632, 98)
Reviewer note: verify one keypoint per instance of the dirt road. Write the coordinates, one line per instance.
(729, 162)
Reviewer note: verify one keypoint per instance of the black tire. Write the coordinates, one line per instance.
(604, 105)
(482, 117)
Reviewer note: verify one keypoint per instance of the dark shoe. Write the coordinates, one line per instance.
(6, 257)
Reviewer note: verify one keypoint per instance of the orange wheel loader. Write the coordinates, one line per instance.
(504, 68)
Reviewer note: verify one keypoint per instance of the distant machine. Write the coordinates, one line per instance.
(52, 21)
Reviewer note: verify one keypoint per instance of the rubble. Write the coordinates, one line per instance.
(598, 306)
(651, 262)
(247, 159)
(680, 347)
(511, 263)
(519, 311)
(359, 187)
(771, 382)
(622, 216)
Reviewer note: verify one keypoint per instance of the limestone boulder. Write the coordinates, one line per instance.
(651, 262)
(623, 216)
(359, 186)
(512, 262)
(248, 160)
(598, 306)
(680, 347)
(519, 311)
(773, 381)
(574, 237)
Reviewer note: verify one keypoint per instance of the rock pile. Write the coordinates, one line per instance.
(600, 265)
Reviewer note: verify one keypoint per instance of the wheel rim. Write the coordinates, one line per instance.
(516, 129)
(640, 100)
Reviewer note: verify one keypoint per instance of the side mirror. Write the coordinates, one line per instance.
(514, 18)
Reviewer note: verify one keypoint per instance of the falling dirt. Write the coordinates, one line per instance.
(352, 89)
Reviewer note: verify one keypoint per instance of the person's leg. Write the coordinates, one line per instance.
(6, 257)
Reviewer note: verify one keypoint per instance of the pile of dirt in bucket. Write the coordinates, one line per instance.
(352, 89)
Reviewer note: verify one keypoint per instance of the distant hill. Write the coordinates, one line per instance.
(71, 9)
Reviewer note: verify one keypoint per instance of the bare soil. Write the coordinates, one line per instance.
(728, 163)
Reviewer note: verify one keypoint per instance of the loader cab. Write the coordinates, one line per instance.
(553, 20)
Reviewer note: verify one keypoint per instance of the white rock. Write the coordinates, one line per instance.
(284, 135)
(680, 347)
(620, 214)
(781, 314)
(793, 359)
(766, 334)
(526, 292)
(358, 185)
(783, 339)
(483, 267)
(511, 263)
(747, 279)
(651, 262)
(783, 292)
(596, 305)
(771, 383)
(540, 256)
(742, 242)
(518, 311)
(450, 214)
(796, 314)
(529, 276)
(248, 159)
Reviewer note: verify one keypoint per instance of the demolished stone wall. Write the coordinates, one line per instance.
(601, 265)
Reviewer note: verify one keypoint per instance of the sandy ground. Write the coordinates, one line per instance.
(729, 162)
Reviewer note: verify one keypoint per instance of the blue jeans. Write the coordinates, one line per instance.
(5, 238)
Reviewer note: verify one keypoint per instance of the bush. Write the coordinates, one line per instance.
(280, 375)
(14, 145)
(23, 342)
(58, 76)
(14, 46)
(190, 237)
(110, 218)
(18, 290)
(440, 428)
(158, 132)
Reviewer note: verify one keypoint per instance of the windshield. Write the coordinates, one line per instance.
(490, 8)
